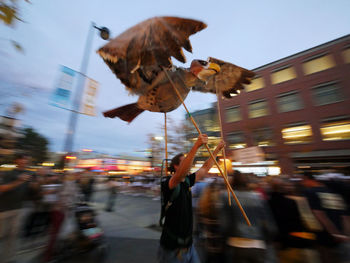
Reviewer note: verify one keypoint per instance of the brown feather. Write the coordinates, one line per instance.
(126, 112)
(149, 41)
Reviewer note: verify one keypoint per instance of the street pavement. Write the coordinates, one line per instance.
(130, 231)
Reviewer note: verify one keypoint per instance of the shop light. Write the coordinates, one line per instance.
(48, 164)
(87, 150)
(8, 166)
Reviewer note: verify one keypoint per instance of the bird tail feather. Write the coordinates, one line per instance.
(126, 112)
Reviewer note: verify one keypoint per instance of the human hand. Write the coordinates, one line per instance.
(202, 139)
(221, 145)
(24, 177)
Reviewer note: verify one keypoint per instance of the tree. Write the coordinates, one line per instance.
(176, 141)
(33, 144)
(9, 14)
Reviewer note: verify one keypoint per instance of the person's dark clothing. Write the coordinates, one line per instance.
(13, 199)
(36, 223)
(246, 255)
(178, 224)
(88, 189)
(332, 204)
(288, 220)
(262, 223)
(210, 222)
(262, 229)
(111, 198)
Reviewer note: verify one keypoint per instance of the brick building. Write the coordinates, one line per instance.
(297, 109)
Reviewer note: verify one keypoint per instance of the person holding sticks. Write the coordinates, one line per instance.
(176, 243)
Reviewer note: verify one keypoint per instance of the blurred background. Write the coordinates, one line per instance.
(286, 129)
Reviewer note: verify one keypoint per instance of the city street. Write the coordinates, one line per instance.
(129, 234)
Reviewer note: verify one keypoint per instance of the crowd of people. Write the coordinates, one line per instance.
(293, 218)
(297, 218)
(37, 203)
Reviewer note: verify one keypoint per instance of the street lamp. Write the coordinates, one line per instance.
(104, 34)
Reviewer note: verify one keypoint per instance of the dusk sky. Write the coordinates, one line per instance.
(247, 33)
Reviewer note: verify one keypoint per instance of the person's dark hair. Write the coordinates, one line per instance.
(308, 174)
(240, 181)
(175, 161)
(20, 156)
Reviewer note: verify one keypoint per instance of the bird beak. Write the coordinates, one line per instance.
(214, 67)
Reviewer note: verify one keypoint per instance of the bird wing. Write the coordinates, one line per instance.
(137, 55)
(153, 41)
(136, 81)
(230, 79)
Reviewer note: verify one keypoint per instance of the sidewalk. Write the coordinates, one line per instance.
(127, 231)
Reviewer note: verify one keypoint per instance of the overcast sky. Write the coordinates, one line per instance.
(247, 33)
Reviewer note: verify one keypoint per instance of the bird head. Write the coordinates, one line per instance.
(203, 69)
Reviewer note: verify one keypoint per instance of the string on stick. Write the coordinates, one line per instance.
(209, 151)
(166, 145)
(222, 138)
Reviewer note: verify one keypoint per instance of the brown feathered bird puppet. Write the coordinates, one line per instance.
(140, 55)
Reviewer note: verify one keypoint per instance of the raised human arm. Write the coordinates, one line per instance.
(203, 171)
(8, 187)
(186, 164)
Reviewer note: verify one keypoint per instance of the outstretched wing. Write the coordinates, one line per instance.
(228, 81)
(137, 55)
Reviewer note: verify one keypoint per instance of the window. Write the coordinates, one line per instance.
(257, 83)
(297, 134)
(283, 75)
(336, 130)
(236, 140)
(289, 102)
(258, 109)
(233, 114)
(346, 55)
(318, 64)
(327, 93)
(263, 137)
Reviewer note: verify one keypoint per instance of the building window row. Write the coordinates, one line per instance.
(327, 93)
(290, 101)
(323, 94)
(298, 133)
(309, 66)
(258, 109)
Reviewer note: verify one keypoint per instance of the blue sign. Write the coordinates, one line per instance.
(63, 89)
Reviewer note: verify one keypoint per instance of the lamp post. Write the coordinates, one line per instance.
(104, 34)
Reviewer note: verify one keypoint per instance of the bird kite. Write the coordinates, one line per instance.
(141, 58)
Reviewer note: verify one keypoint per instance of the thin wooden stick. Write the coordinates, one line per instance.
(166, 145)
(222, 138)
(209, 151)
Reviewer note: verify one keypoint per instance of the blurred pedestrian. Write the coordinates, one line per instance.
(210, 220)
(112, 194)
(176, 243)
(86, 183)
(37, 220)
(13, 188)
(52, 189)
(247, 243)
(295, 239)
(332, 213)
(197, 191)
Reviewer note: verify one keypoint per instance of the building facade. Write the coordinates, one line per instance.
(297, 109)
(208, 123)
